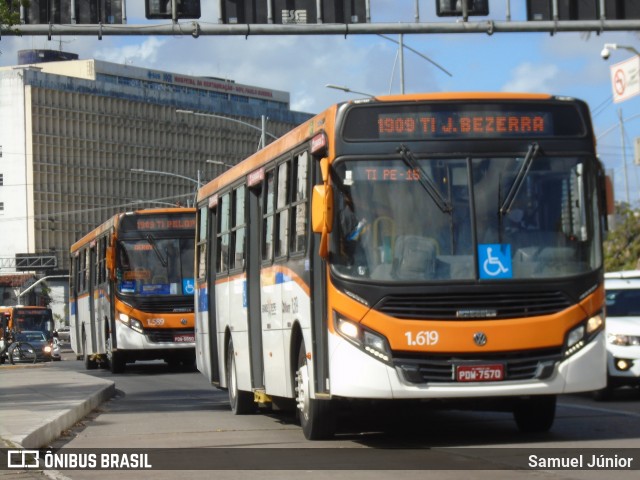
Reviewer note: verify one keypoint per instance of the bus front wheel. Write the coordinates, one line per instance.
(535, 414)
(317, 417)
(241, 402)
(115, 360)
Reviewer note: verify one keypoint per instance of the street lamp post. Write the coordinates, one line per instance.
(171, 174)
(348, 90)
(262, 130)
(220, 162)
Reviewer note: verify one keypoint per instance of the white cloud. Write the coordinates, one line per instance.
(146, 52)
(528, 77)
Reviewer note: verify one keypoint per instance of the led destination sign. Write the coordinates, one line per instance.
(456, 120)
(159, 222)
(475, 124)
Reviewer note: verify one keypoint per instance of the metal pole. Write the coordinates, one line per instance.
(32, 286)
(263, 134)
(624, 156)
(401, 56)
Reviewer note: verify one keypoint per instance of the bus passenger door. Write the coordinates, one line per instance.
(253, 259)
(93, 320)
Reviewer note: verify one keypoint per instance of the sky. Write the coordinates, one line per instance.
(567, 64)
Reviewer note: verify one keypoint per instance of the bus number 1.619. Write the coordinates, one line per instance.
(424, 337)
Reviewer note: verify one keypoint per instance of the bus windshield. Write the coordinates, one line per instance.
(155, 266)
(413, 219)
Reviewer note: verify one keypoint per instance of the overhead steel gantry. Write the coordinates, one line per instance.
(197, 29)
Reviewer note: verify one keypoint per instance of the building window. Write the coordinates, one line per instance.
(1, 208)
(1, 179)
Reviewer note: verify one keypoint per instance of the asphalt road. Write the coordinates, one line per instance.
(157, 407)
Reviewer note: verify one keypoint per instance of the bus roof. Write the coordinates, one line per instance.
(113, 222)
(325, 121)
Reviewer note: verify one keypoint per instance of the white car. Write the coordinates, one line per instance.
(623, 330)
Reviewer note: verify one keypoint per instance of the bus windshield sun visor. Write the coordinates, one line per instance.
(532, 153)
(423, 178)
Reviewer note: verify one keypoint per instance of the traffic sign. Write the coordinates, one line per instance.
(625, 79)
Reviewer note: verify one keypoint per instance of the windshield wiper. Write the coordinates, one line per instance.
(426, 182)
(532, 153)
(152, 242)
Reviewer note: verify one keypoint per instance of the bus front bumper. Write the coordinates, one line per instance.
(355, 374)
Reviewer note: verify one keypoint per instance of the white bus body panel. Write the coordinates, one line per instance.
(355, 374)
(203, 335)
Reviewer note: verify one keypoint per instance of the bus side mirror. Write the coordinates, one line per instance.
(111, 261)
(608, 191)
(322, 215)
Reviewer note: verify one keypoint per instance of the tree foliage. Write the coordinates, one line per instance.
(622, 245)
(10, 12)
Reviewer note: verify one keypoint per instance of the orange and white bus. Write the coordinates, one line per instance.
(18, 318)
(428, 246)
(132, 289)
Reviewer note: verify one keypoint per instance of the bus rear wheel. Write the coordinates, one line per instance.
(535, 414)
(241, 402)
(317, 417)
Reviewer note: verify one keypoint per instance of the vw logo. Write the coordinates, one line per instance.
(480, 339)
(183, 321)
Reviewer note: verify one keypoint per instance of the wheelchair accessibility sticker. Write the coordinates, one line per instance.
(495, 261)
(188, 286)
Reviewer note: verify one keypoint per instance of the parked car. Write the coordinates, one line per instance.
(622, 330)
(64, 334)
(30, 346)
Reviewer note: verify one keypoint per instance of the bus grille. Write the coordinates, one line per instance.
(482, 305)
(538, 364)
(167, 334)
(169, 305)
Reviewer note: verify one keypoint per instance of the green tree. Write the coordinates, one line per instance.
(10, 13)
(622, 245)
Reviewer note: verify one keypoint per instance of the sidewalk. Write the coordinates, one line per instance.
(38, 402)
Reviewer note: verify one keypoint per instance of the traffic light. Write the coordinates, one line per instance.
(583, 10)
(453, 8)
(293, 11)
(161, 9)
(39, 12)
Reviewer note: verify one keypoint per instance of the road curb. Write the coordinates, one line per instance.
(47, 433)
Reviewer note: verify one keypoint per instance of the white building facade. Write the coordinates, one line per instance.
(71, 131)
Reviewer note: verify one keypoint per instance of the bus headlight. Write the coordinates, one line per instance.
(131, 322)
(372, 343)
(582, 334)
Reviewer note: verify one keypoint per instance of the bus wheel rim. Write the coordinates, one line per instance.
(302, 397)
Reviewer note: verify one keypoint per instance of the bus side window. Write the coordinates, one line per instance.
(268, 198)
(201, 262)
(299, 202)
(224, 224)
(239, 228)
(282, 209)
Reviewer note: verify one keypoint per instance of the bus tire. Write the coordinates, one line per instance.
(317, 417)
(535, 414)
(89, 363)
(115, 360)
(241, 402)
